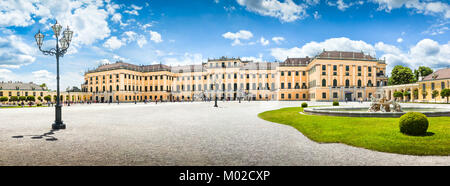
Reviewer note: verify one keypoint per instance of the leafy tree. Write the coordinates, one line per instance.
(43, 85)
(424, 93)
(435, 93)
(47, 98)
(416, 94)
(3, 99)
(401, 75)
(39, 98)
(13, 98)
(422, 71)
(445, 93)
(398, 94)
(406, 94)
(22, 98)
(31, 98)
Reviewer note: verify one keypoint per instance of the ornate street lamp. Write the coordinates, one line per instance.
(62, 44)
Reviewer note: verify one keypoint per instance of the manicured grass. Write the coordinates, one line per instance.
(380, 134)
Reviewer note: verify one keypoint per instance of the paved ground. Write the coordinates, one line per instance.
(174, 134)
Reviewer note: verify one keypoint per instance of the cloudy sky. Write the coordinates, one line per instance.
(177, 32)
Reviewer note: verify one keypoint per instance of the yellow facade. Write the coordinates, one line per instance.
(329, 76)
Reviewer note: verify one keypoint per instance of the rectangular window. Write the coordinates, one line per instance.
(334, 67)
(282, 96)
(282, 85)
(324, 95)
(347, 68)
(335, 95)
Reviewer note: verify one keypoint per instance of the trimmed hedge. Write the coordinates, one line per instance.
(304, 105)
(335, 103)
(413, 123)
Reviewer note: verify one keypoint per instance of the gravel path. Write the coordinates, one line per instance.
(174, 134)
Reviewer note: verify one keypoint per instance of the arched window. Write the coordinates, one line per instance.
(359, 83)
(334, 83)
(369, 83)
(347, 83)
(324, 82)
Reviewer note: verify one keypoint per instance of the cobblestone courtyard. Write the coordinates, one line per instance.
(174, 134)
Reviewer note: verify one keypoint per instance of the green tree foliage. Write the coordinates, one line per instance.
(401, 75)
(398, 94)
(31, 98)
(435, 94)
(13, 98)
(3, 99)
(422, 71)
(22, 98)
(445, 93)
(47, 98)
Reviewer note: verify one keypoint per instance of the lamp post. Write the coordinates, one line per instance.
(61, 48)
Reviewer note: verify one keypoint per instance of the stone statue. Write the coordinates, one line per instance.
(383, 105)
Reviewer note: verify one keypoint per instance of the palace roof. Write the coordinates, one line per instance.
(439, 74)
(19, 86)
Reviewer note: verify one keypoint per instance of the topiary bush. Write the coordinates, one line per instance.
(413, 123)
(335, 103)
(304, 105)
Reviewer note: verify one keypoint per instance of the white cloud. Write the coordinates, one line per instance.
(278, 40)
(14, 52)
(287, 11)
(419, 6)
(426, 51)
(242, 34)
(317, 15)
(113, 43)
(313, 48)
(117, 18)
(264, 42)
(254, 59)
(86, 18)
(186, 59)
(155, 37)
(399, 40)
(133, 12)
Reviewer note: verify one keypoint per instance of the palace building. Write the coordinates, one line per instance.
(18, 89)
(422, 90)
(331, 75)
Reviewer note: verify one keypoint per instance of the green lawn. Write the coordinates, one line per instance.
(381, 134)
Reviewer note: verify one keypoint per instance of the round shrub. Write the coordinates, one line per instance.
(304, 105)
(335, 103)
(413, 123)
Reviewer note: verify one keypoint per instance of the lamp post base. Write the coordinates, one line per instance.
(58, 126)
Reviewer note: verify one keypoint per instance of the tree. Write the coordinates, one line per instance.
(445, 93)
(13, 98)
(22, 98)
(435, 93)
(422, 71)
(398, 94)
(407, 94)
(401, 75)
(3, 99)
(416, 94)
(424, 93)
(39, 98)
(31, 98)
(47, 98)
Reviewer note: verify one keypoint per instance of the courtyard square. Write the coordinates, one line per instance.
(189, 133)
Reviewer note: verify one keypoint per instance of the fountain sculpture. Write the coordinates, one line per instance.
(383, 105)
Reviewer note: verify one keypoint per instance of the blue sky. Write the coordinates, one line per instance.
(178, 32)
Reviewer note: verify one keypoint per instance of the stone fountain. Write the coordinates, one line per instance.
(383, 105)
